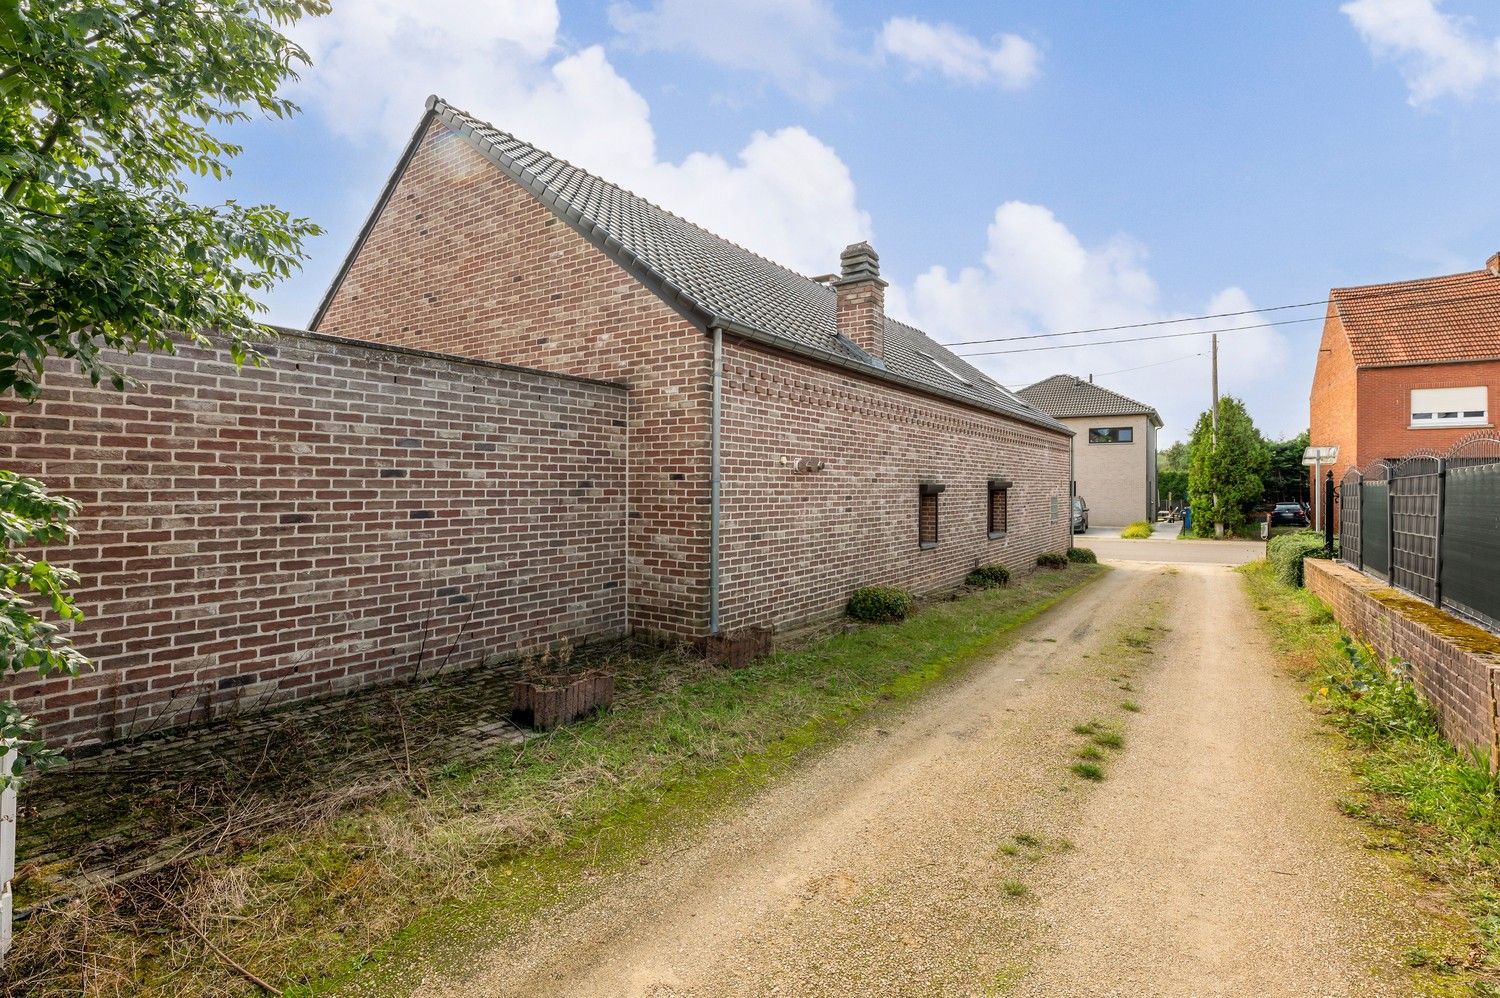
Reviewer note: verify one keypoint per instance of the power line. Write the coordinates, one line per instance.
(1141, 339)
(1134, 325)
(1160, 363)
(1127, 370)
(1343, 299)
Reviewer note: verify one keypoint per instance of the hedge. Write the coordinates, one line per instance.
(879, 604)
(1286, 552)
(988, 576)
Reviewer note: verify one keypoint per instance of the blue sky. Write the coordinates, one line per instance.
(1022, 167)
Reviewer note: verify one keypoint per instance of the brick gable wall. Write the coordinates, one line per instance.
(464, 261)
(1333, 403)
(795, 544)
(268, 534)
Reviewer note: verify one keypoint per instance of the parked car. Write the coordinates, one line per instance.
(1289, 514)
(1080, 515)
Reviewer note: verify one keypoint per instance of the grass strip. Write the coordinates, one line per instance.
(1434, 802)
(473, 852)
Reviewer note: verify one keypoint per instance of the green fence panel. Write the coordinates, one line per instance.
(1471, 543)
(1375, 528)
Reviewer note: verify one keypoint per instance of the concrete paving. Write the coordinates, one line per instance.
(1165, 547)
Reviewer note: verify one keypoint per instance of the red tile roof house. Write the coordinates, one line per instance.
(1406, 367)
(833, 428)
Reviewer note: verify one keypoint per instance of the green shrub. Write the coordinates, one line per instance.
(988, 576)
(1139, 530)
(1084, 556)
(1286, 552)
(879, 604)
(1051, 559)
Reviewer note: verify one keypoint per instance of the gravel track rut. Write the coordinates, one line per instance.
(947, 849)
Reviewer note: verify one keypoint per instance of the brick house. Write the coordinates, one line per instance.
(1409, 366)
(788, 441)
(1114, 446)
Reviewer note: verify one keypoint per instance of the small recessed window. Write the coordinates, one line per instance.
(1111, 435)
(1450, 406)
(950, 372)
(927, 514)
(999, 511)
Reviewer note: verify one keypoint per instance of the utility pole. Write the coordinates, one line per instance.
(1215, 437)
(1214, 434)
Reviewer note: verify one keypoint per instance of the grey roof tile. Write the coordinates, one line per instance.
(721, 281)
(1067, 395)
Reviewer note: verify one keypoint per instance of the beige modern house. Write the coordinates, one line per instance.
(1114, 446)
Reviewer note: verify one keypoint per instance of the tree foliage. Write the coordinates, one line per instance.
(1287, 478)
(107, 110)
(1226, 471)
(1171, 473)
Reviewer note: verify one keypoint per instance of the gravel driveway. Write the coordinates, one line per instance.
(948, 849)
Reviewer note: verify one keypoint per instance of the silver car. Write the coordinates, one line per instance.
(1080, 515)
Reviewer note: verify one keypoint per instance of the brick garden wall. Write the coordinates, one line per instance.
(794, 545)
(268, 534)
(1458, 682)
(463, 260)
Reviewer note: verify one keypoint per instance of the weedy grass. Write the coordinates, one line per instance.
(485, 846)
(1088, 771)
(1109, 740)
(1139, 530)
(1438, 804)
(1131, 706)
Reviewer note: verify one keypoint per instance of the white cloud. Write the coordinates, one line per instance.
(1036, 276)
(1010, 61)
(791, 41)
(786, 194)
(1440, 55)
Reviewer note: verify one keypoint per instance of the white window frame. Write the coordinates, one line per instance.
(1436, 408)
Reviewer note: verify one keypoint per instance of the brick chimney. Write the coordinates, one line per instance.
(1493, 265)
(861, 295)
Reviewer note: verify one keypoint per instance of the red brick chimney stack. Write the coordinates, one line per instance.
(861, 296)
(1493, 265)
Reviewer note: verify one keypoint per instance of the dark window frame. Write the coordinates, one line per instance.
(998, 487)
(1128, 431)
(928, 492)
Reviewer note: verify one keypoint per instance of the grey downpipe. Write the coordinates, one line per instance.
(713, 482)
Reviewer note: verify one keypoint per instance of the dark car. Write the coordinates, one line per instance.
(1290, 514)
(1080, 515)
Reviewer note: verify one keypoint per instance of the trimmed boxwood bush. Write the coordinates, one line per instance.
(1051, 559)
(1084, 556)
(1286, 552)
(879, 604)
(988, 576)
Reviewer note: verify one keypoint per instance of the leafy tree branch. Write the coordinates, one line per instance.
(107, 107)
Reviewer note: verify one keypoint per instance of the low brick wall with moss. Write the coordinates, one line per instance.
(1453, 663)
